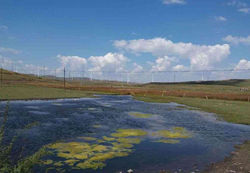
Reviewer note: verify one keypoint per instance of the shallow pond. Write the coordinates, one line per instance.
(116, 133)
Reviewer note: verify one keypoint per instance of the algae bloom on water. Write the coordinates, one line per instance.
(176, 132)
(129, 133)
(97, 126)
(88, 138)
(140, 115)
(93, 154)
(168, 141)
(81, 155)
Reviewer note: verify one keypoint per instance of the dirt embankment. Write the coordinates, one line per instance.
(238, 162)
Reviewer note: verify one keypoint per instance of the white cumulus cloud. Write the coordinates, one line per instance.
(163, 63)
(19, 66)
(167, 2)
(200, 56)
(244, 10)
(237, 3)
(237, 40)
(241, 6)
(108, 62)
(243, 64)
(137, 68)
(9, 50)
(220, 18)
(74, 63)
(179, 67)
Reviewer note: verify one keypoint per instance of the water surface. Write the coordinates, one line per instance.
(116, 133)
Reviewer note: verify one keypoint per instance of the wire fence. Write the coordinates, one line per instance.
(135, 77)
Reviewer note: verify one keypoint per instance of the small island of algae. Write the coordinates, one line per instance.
(140, 115)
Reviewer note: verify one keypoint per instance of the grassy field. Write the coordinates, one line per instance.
(229, 86)
(35, 92)
(231, 111)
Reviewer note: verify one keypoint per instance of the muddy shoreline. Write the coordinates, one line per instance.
(237, 162)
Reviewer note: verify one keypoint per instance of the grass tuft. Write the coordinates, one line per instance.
(23, 165)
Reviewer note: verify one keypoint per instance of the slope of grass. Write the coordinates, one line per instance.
(231, 111)
(208, 88)
(35, 92)
(13, 76)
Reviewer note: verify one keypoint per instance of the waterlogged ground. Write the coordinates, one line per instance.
(116, 133)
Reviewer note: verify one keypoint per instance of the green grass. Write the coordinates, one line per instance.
(231, 111)
(23, 165)
(32, 92)
(230, 82)
(208, 88)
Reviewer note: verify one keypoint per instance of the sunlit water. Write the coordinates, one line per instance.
(116, 133)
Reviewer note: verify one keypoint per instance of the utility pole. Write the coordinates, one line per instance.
(81, 77)
(2, 72)
(38, 72)
(12, 67)
(43, 71)
(1, 77)
(64, 77)
(152, 77)
(127, 78)
(83, 74)
(174, 76)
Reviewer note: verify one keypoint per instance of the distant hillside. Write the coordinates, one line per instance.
(10, 77)
(13, 76)
(231, 82)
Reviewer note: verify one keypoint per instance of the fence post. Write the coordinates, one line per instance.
(83, 76)
(64, 77)
(1, 77)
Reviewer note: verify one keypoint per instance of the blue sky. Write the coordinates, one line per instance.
(60, 33)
